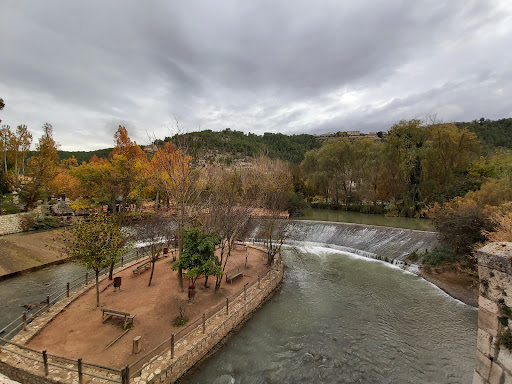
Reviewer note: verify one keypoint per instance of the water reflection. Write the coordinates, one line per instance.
(368, 219)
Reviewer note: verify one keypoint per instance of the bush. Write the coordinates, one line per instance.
(33, 221)
(439, 256)
(8, 206)
(297, 204)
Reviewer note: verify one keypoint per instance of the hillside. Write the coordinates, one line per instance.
(236, 144)
(495, 133)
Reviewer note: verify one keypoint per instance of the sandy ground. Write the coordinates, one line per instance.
(458, 285)
(79, 331)
(30, 249)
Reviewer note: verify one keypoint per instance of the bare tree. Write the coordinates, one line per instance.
(155, 232)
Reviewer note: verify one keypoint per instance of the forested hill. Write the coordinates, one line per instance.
(82, 156)
(496, 133)
(237, 144)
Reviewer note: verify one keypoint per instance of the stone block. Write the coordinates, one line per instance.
(484, 342)
(496, 256)
(488, 305)
(483, 364)
(505, 358)
(496, 374)
(477, 379)
(488, 322)
(507, 378)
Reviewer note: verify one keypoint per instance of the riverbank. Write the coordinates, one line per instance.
(460, 286)
(29, 251)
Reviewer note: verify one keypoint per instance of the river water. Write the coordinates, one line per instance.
(340, 318)
(366, 218)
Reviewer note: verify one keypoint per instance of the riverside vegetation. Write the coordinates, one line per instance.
(456, 174)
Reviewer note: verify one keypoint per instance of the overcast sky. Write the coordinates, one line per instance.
(256, 66)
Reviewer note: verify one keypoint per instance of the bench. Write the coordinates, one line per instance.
(233, 273)
(142, 268)
(111, 313)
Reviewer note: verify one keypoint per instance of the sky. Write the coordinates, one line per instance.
(289, 66)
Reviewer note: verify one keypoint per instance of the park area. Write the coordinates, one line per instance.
(80, 331)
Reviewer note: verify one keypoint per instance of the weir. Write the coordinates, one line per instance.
(376, 242)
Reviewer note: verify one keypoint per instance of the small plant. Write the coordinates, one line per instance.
(506, 340)
(506, 310)
(503, 320)
(413, 256)
(181, 320)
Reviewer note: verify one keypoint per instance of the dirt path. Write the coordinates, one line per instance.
(27, 250)
(79, 331)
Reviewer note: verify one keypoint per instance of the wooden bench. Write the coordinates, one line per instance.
(142, 268)
(111, 313)
(233, 273)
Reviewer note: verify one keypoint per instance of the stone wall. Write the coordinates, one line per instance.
(10, 224)
(21, 376)
(493, 358)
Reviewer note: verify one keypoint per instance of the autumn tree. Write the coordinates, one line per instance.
(96, 243)
(42, 168)
(228, 210)
(179, 180)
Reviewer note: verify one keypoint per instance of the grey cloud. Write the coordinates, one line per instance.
(255, 66)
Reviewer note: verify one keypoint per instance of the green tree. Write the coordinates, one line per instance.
(198, 256)
(96, 243)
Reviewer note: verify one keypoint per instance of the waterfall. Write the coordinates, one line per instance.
(376, 242)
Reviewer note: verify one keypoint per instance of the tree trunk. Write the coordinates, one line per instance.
(97, 287)
(111, 271)
(206, 282)
(152, 270)
(157, 200)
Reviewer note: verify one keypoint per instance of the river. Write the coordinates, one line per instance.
(368, 219)
(340, 318)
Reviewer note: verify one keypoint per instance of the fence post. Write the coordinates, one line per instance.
(24, 321)
(45, 363)
(227, 306)
(86, 278)
(67, 289)
(245, 292)
(172, 346)
(259, 282)
(204, 323)
(48, 300)
(80, 374)
(125, 375)
(122, 261)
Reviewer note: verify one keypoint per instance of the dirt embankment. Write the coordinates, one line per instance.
(461, 286)
(23, 251)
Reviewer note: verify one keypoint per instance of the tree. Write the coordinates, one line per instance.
(179, 180)
(155, 232)
(198, 256)
(5, 140)
(96, 243)
(42, 168)
(228, 210)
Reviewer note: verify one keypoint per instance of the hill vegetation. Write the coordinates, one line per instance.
(228, 144)
(494, 133)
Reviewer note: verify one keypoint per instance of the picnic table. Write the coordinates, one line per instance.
(111, 313)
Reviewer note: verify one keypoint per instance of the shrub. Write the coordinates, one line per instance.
(32, 221)
(439, 256)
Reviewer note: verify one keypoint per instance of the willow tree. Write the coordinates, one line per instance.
(96, 243)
